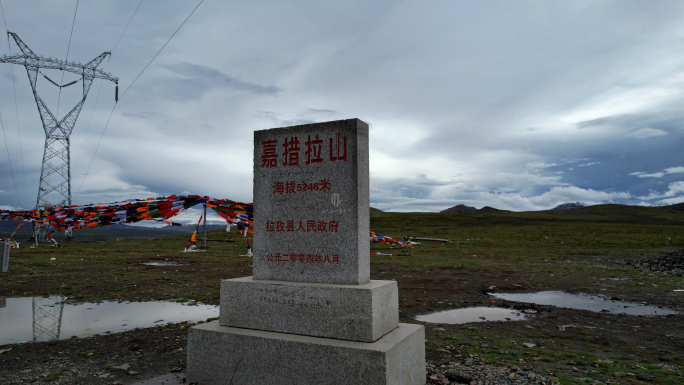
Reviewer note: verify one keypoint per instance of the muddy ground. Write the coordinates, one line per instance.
(597, 348)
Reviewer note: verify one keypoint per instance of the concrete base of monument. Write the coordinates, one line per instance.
(347, 312)
(219, 355)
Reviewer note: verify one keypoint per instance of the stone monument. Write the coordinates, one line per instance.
(310, 313)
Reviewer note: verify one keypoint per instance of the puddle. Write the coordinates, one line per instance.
(475, 314)
(165, 263)
(33, 319)
(583, 302)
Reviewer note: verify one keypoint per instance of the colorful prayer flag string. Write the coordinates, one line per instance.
(159, 209)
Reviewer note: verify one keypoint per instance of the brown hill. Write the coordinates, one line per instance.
(460, 209)
(678, 207)
(467, 209)
(488, 209)
(569, 206)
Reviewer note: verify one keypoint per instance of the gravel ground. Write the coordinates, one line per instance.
(156, 356)
(117, 359)
(473, 371)
(672, 264)
(651, 347)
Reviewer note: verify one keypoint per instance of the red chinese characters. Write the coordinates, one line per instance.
(291, 187)
(337, 151)
(303, 226)
(291, 153)
(313, 150)
(303, 258)
(269, 157)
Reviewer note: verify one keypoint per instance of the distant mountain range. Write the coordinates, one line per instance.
(562, 207)
(568, 206)
(467, 209)
(135, 232)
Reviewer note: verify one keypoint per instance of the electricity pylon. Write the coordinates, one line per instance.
(47, 319)
(56, 155)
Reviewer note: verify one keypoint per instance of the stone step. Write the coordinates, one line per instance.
(348, 312)
(220, 355)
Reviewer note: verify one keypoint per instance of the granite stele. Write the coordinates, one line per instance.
(310, 313)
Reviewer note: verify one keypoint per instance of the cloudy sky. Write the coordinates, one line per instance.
(518, 105)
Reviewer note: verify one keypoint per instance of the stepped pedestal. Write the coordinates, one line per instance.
(310, 314)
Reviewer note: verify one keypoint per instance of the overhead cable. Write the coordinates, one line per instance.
(162, 48)
(129, 87)
(97, 96)
(16, 111)
(73, 22)
(10, 159)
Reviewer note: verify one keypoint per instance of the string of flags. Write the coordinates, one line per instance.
(378, 238)
(132, 211)
(160, 209)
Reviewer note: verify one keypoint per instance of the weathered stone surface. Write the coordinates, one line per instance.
(310, 314)
(4, 256)
(220, 355)
(350, 312)
(311, 217)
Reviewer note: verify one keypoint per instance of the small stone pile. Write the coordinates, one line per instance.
(476, 372)
(672, 264)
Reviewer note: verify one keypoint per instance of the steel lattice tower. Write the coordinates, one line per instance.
(47, 319)
(56, 155)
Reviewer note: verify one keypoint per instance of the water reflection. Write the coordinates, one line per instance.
(475, 314)
(43, 319)
(583, 302)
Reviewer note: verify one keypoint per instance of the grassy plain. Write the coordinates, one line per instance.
(578, 251)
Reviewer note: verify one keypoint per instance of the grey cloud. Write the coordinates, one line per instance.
(317, 111)
(190, 81)
(480, 85)
(644, 175)
(142, 115)
(216, 79)
(278, 121)
(643, 125)
(659, 174)
(647, 132)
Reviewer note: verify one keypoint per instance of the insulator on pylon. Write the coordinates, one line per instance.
(116, 94)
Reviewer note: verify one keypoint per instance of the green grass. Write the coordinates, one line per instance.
(105, 270)
(54, 376)
(527, 246)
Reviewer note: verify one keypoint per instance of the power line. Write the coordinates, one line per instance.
(96, 148)
(10, 159)
(16, 111)
(71, 35)
(73, 22)
(56, 151)
(125, 29)
(129, 87)
(97, 96)
(4, 21)
(157, 54)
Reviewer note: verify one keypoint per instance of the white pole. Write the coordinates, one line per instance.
(205, 225)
